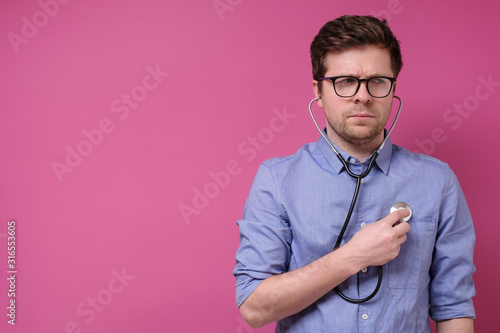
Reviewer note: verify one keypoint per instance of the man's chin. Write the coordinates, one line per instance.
(363, 138)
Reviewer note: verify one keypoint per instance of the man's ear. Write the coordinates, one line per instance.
(317, 92)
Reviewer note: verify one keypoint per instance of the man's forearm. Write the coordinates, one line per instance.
(456, 325)
(280, 296)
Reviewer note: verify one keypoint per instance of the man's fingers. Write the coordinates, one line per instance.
(394, 217)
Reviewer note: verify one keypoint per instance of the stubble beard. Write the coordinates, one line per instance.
(359, 135)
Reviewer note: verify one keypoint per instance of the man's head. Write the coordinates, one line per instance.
(356, 60)
(353, 31)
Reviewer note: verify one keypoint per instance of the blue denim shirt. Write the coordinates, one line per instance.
(294, 213)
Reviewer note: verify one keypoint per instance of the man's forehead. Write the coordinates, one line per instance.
(366, 60)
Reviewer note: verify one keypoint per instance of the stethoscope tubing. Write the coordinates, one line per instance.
(355, 195)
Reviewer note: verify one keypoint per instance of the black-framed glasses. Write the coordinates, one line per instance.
(348, 86)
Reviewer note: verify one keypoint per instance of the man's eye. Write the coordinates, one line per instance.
(346, 81)
(378, 80)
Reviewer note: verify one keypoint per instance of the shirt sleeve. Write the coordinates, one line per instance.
(265, 236)
(452, 287)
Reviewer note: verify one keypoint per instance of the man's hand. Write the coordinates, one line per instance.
(379, 242)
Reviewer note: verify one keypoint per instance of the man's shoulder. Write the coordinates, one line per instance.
(421, 160)
(303, 155)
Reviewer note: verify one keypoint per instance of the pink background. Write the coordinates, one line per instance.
(67, 70)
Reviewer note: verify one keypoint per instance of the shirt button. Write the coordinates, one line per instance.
(362, 181)
(364, 270)
(364, 316)
(363, 224)
(352, 160)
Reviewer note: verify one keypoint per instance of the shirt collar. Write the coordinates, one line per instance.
(383, 160)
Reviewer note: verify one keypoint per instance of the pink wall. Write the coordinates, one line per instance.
(115, 114)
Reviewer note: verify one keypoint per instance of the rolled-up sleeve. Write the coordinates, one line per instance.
(265, 236)
(452, 287)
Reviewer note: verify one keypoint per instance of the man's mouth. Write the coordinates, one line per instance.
(361, 116)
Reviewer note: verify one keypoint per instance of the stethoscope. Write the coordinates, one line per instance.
(396, 206)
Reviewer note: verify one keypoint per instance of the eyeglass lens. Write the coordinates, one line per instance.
(348, 86)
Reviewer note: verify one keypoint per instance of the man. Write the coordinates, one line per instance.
(286, 265)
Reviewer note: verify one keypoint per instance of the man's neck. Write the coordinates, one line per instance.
(361, 151)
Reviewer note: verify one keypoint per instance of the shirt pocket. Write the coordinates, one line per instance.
(410, 269)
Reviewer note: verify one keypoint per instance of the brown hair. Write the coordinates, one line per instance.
(353, 31)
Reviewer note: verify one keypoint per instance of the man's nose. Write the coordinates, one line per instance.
(362, 95)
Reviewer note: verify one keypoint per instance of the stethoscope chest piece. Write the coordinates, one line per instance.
(402, 205)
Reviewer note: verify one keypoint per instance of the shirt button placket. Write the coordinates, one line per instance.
(362, 225)
(365, 324)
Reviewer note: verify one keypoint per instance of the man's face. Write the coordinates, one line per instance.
(358, 120)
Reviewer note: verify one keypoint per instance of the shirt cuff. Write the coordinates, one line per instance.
(244, 287)
(459, 310)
